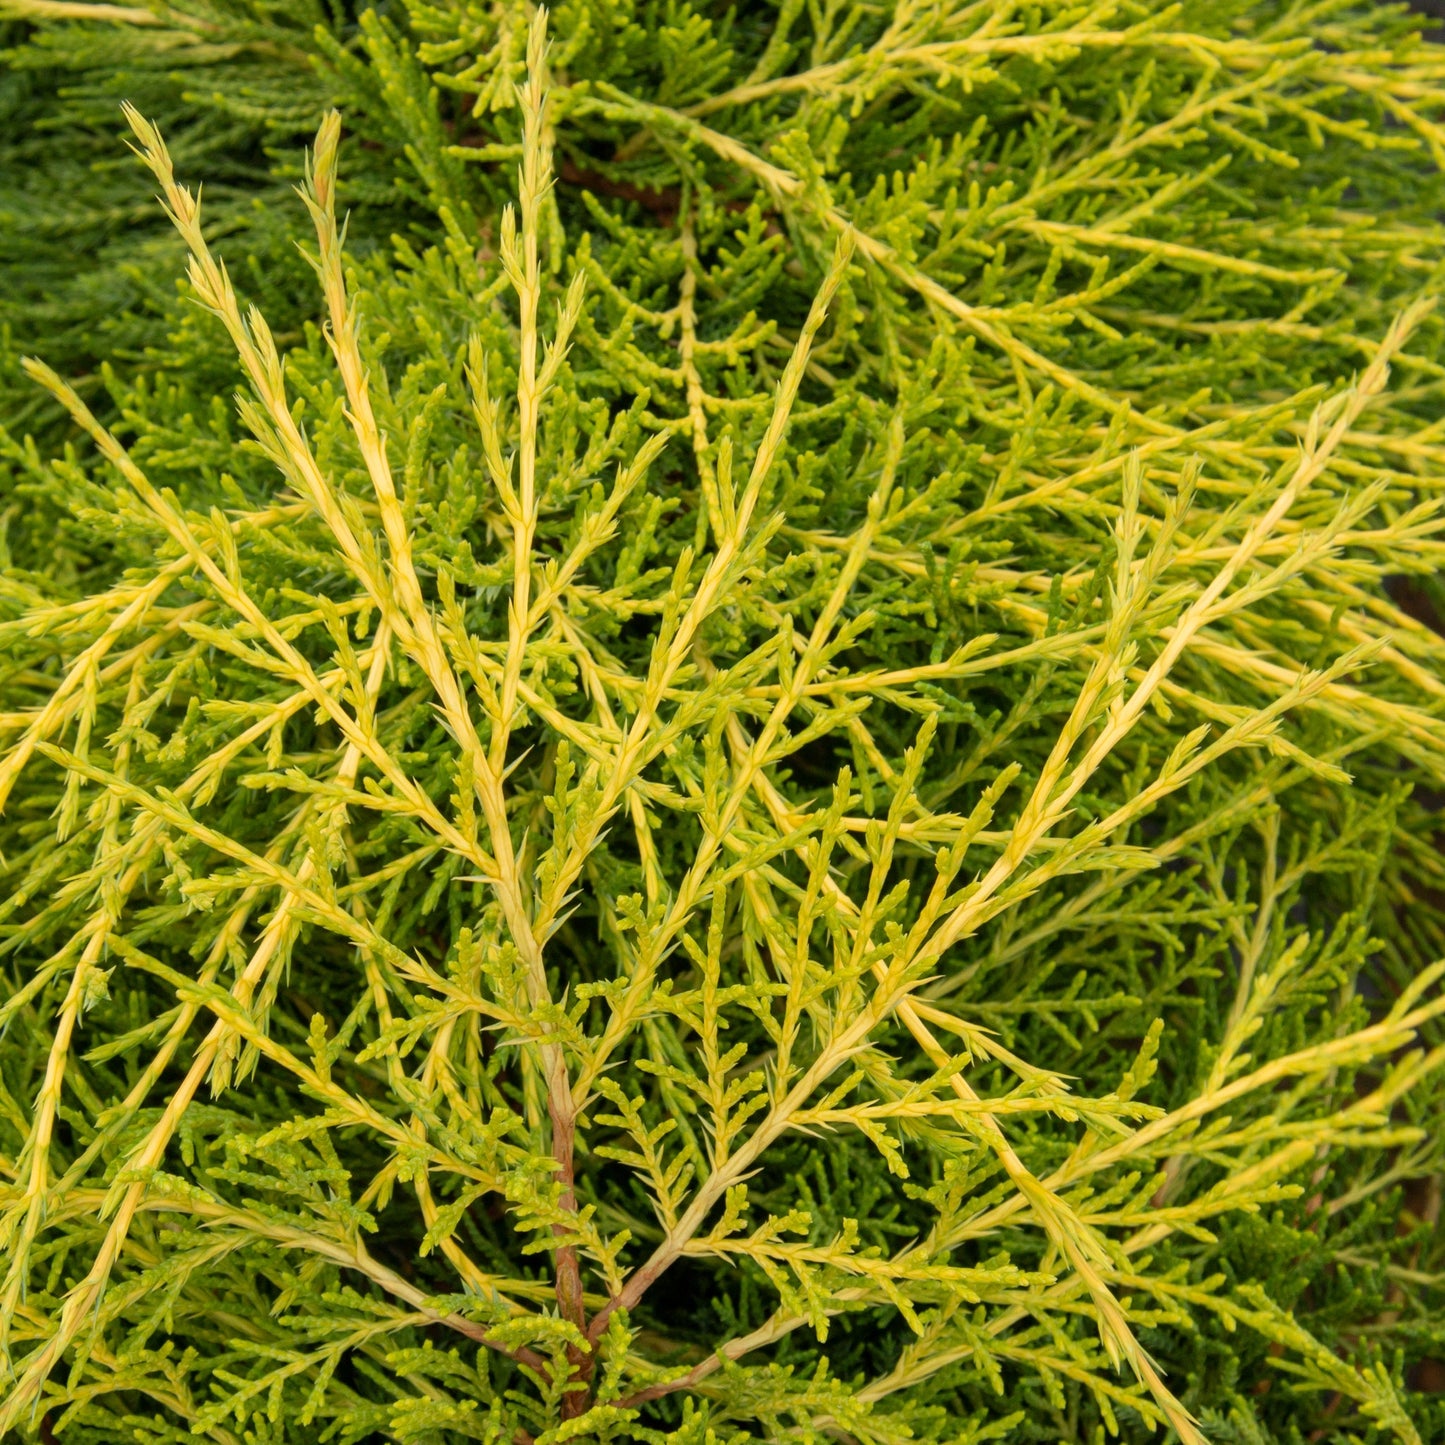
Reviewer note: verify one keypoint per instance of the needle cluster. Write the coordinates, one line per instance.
(775, 777)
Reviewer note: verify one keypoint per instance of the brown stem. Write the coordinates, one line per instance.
(734, 1349)
(663, 202)
(631, 1292)
(521, 1355)
(569, 1271)
(656, 1392)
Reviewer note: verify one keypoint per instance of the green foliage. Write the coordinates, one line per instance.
(775, 776)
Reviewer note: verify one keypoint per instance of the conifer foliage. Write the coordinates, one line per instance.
(761, 763)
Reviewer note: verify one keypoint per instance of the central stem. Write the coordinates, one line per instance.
(569, 1271)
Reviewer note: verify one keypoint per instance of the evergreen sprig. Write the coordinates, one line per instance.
(783, 791)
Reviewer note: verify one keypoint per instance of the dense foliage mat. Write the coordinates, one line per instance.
(758, 761)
